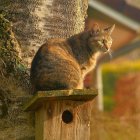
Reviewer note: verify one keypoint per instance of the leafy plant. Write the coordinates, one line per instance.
(110, 74)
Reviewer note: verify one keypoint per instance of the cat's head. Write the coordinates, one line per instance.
(100, 39)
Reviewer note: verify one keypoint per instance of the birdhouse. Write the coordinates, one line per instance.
(62, 114)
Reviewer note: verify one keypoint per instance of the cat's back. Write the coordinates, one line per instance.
(53, 49)
(54, 63)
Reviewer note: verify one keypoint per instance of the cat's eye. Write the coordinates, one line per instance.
(104, 41)
(98, 30)
(100, 42)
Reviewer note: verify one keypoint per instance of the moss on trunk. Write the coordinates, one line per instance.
(33, 23)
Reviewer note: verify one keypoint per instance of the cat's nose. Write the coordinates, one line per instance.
(106, 46)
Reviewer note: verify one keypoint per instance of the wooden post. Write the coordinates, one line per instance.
(62, 115)
(100, 88)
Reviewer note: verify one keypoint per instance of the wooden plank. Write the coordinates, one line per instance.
(39, 123)
(54, 128)
(44, 96)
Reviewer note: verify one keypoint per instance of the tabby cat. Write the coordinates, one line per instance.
(63, 63)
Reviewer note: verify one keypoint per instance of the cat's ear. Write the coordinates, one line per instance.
(95, 29)
(110, 29)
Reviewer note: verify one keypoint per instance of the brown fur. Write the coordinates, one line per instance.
(63, 64)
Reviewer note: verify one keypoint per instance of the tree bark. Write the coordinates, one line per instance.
(33, 23)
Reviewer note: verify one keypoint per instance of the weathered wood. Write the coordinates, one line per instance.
(62, 115)
(76, 94)
(51, 126)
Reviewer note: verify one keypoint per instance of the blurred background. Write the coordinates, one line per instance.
(116, 109)
(116, 114)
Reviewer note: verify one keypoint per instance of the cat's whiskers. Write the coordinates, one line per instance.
(110, 53)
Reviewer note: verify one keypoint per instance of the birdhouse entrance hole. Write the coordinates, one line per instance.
(67, 116)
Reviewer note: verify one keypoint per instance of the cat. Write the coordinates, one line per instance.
(62, 64)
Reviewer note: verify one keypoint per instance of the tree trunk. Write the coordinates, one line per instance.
(33, 23)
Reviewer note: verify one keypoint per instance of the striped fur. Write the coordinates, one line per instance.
(63, 64)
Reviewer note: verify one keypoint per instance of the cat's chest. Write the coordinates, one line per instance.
(88, 66)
